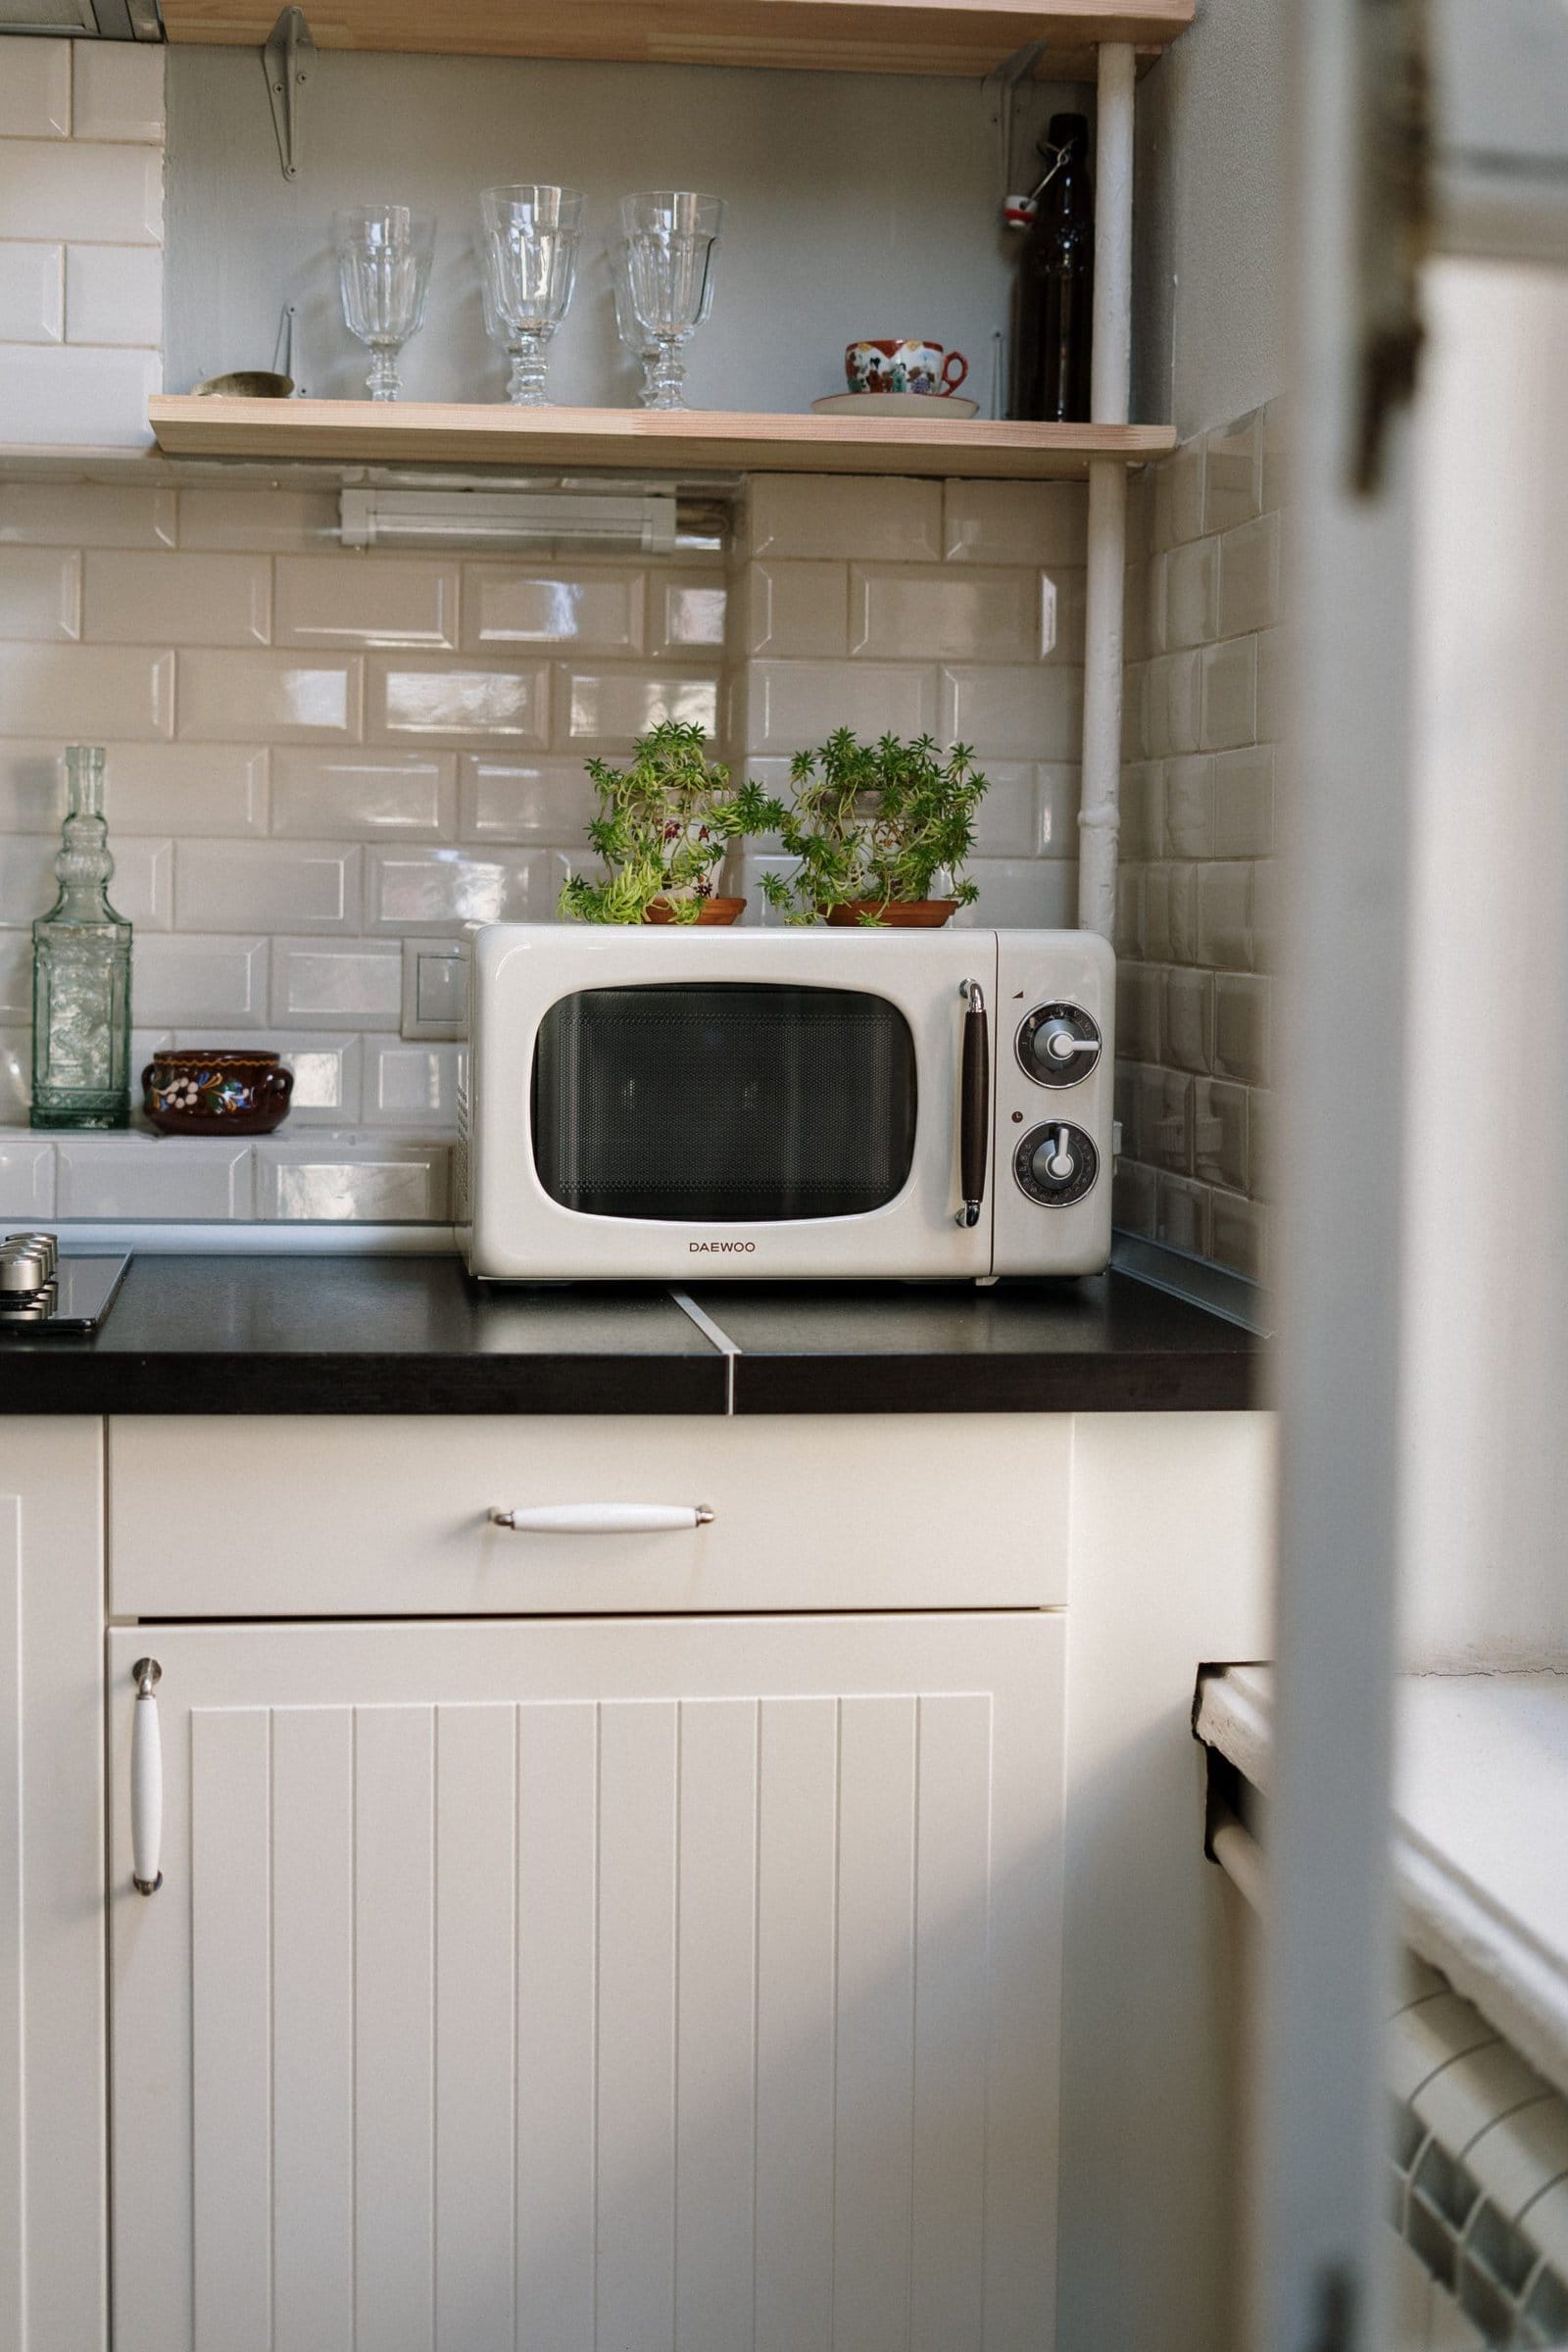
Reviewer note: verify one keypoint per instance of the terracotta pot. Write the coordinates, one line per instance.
(709, 910)
(225, 1092)
(894, 915)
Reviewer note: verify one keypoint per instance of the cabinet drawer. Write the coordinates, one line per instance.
(309, 1517)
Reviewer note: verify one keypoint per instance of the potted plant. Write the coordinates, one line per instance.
(662, 830)
(874, 828)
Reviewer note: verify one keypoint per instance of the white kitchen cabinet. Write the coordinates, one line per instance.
(671, 1982)
(52, 2049)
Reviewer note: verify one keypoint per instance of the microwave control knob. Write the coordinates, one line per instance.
(1055, 1164)
(1058, 1045)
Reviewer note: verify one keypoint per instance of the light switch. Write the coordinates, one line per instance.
(435, 988)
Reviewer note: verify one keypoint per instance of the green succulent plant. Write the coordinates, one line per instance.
(663, 829)
(879, 822)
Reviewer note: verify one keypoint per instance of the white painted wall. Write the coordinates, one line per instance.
(860, 205)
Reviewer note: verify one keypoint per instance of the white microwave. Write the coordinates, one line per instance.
(671, 1104)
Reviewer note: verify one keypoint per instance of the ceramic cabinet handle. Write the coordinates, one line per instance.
(146, 1779)
(603, 1518)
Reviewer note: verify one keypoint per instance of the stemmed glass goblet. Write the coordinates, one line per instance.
(530, 257)
(383, 263)
(671, 236)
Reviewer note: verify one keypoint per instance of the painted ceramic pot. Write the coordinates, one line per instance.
(912, 365)
(709, 910)
(222, 1092)
(892, 914)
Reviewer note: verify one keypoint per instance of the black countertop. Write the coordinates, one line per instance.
(412, 1334)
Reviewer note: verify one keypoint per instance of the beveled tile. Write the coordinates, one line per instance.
(1192, 594)
(968, 614)
(179, 980)
(149, 786)
(1179, 496)
(1261, 1169)
(35, 91)
(115, 294)
(845, 515)
(1187, 1021)
(603, 711)
(1239, 1237)
(1190, 807)
(797, 705)
(1181, 1215)
(359, 1180)
(84, 693)
(326, 1073)
(267, 886)
(366, 599)
(439, 890)
(687, 612)
(1219, 1134)
(1249, 577)
(16, 1077)
(1135, 1198)
(1137, 1000)
(1273, 686)
(32, 306)
(86, 515)
(27, 885)
(1165, 1119)
(1021, 893)
(1129, 930)
(1009, 821)
(119, 90)
(15, 975)
(143, 885)
(1014, 713)
(78, 396)
(258, 522)
(1225, 916)
(371, 795)
(1063, 595)
(1173, 705)
(1233, 474)
(152, 1176)
(230, 696)
(40, 594)
(505, 797)
(1244, 802)
(1058, 795)
(411, 697)
(798, 612)
(26, 1176)
(595, 608)
(1230, 693)
(176, 599)
(1241, 1028)
(336, 984)
(1014, 522)
(72, 191)
(1143, 809)
(411, 1085)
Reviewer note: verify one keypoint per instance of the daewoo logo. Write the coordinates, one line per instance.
(695, 1246)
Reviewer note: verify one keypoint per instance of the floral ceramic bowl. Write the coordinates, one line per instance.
(237, 1092)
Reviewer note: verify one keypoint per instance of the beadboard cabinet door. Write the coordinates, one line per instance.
(647, 1985)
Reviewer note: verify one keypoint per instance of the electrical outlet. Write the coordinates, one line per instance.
(436, 989)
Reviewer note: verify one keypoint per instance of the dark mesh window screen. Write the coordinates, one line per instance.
(729, 1104)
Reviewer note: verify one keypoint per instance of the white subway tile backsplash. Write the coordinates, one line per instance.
(1014, 713)
(115, 294)
(183, 788)
(336, 984)
(898, 611)
(355, 1179)
(366, 599)
(267, 886)
(179, 600)
(794, 705)
(1233, 474)
(118, 91)
(371, 795)
(32, 306)
(846, 514)
(143, 885)
(16, 1076)
(798, 612)
(596, 611)
(40, 594)
(27, 886)
(1009, 821)
(501, 798)
(152, 1176)
(179, 980)
(438, 890)
(78, 396)
(1056, 800)
(264, 698)
(84, 693)
(86, 515)
(1192, 594)
(35, 91)
(1244, 802)
(1014, 522)
(1021, 893)
(604, 710)
(686, 612)
(411, 697)
(411, 1085)
(1230, 693)
(26, 1176)
(16, 976)
(70, 192)
(258, 522)
(1250, 576)
(1273, 685)
(1190, 807)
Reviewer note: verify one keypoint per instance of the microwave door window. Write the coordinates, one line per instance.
(724, 1103)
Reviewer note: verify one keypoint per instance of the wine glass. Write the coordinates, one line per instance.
(383, 267)
(671, 236)
(636, 338)
(530, 250)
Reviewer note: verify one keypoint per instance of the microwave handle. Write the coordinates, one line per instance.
(974, 1093)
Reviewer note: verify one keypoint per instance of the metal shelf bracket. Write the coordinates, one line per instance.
(287, 59)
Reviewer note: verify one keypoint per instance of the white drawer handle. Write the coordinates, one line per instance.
(146, 1779)
(603, 1518)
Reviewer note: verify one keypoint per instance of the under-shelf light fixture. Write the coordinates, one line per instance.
(646, 523)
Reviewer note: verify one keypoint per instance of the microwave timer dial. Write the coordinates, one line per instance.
(1058, 1045)
(1055, 1164)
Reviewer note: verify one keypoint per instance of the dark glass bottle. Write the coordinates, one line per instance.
(1054, 296)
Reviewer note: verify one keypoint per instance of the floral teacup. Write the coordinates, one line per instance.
(910, 365)
(225, 1092)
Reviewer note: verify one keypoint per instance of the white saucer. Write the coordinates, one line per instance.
(894, 404)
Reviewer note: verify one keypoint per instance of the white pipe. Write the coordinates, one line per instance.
(1099, 802)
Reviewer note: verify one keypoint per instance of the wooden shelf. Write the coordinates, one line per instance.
(871, 36)
(362, 432)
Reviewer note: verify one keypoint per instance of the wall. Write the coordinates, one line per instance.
(1197, 887)
(314, 756)
(81, 132)
(857, 205)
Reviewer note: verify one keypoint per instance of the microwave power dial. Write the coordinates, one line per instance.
(1055, 1164)
(1058, 1045)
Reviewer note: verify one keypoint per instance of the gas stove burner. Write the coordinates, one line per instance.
(41, 1291)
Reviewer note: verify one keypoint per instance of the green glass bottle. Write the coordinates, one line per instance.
(82, 971)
